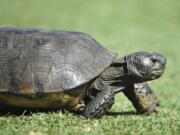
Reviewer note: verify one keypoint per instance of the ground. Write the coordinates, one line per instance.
(122, 27)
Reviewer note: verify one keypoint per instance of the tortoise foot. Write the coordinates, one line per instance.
(100, 105)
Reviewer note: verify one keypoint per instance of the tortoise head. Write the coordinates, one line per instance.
(145, 66)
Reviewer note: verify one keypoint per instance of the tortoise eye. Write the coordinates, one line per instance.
(41, 41)
(3, 42)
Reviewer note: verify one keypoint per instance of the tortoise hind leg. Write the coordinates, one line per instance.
(142, 98)
(100, 104)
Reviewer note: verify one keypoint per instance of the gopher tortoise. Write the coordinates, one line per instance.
(70, 70)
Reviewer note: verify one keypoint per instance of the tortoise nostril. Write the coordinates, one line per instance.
(163, 60)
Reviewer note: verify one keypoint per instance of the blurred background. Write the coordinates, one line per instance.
(122, 26)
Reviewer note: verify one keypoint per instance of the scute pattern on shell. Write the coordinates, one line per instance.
(43, 61)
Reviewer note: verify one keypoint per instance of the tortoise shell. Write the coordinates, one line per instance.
(45, 61)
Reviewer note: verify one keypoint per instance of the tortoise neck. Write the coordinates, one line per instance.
(116, 75)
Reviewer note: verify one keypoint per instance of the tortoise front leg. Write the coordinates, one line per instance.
(142, 98)
(100, 104)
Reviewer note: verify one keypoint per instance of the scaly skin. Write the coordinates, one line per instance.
(142, 98)
(101, 103)
(140, 94)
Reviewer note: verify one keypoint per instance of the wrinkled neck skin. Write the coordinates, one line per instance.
(119, 77)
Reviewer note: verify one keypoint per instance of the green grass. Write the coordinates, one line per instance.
(122, 26)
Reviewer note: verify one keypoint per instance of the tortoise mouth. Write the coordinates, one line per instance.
(157, 71)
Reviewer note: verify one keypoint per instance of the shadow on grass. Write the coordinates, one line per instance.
(17, 111)
(122, 113)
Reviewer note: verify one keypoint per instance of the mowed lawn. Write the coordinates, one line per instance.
(122, 26)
